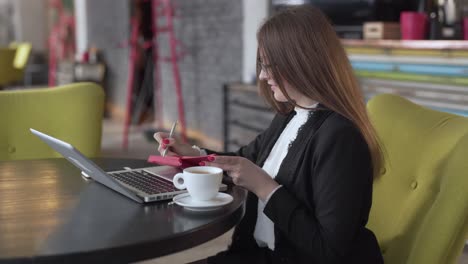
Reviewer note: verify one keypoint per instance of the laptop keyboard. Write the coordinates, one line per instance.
(144, 181)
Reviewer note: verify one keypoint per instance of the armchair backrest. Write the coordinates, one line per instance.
(71, 112)
(7, 56)
(23, 50)
(420, 203)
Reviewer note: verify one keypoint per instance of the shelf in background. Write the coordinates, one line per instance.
(408, 44)
(441, 97)
(430, 73)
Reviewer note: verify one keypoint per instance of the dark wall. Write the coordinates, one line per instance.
(211, 33)
(355, 12)
(6, 22)
(109, 27)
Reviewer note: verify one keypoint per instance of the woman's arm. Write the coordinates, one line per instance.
(252, 150)
(342, 182)
(249, 151)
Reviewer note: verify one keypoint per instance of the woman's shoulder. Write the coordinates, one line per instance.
(338, 125)
(338, 134)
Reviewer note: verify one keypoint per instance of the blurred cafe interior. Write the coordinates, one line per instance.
(106, 75)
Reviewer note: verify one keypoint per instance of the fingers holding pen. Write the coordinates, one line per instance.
(174, 145)
(165, 142)
(163, 147)
(159, 137)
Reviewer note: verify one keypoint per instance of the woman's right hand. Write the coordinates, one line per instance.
(176, 147)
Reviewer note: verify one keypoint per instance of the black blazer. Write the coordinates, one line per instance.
(321, 211)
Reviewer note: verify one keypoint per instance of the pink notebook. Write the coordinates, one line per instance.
(180, 161)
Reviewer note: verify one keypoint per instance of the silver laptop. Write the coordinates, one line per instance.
(141, 185)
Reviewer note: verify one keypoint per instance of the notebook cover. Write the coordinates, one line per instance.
(170, 161)
(180, 161)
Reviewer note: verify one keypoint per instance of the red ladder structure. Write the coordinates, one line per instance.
(160, 8)
(59, 47)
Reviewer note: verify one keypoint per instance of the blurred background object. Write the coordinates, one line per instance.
(348, 16)
(72, 113)
(381, 30)
(14, 60)
(22, 54)
(7, 71)
(413, 25)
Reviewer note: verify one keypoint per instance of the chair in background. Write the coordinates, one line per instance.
(420, 205)
(7, 71)
(23, 51)
(71, 112)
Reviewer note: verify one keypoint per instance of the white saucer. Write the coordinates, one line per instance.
(185, 200)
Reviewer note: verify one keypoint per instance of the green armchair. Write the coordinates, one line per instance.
(22, 53)
(420, 204)
(7, 70)
(72, 113)
(13, 62)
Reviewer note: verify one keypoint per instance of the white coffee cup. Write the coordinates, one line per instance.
(202, 183)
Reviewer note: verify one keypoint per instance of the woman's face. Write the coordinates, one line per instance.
(266, 75)
(277, 94)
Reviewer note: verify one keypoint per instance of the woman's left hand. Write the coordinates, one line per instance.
(246, 174)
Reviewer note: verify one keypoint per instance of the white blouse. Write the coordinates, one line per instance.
(264, 229)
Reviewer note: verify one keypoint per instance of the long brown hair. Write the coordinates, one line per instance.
(303, 50)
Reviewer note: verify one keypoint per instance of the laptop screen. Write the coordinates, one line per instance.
(83, 163)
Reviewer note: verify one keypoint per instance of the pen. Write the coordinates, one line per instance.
(170, 136)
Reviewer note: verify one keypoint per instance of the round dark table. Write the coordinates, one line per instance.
(50, 214)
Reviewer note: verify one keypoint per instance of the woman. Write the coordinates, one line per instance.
(310, 174)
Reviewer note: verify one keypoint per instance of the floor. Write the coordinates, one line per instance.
(140, 147)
